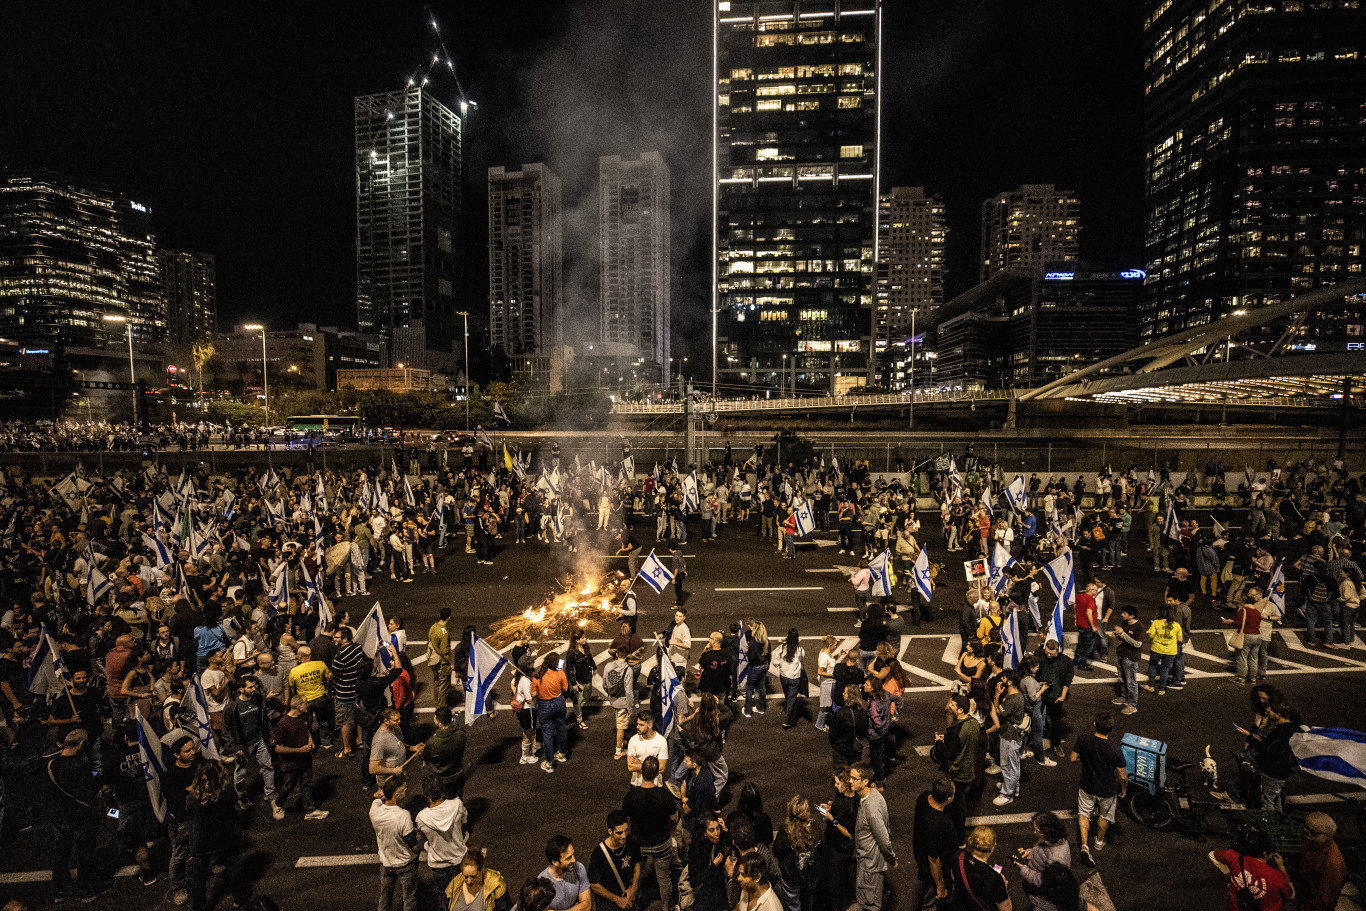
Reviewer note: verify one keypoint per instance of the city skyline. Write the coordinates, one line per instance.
(189, 143)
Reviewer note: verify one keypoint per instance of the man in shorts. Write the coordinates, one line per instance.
(618, 682)
(1104, 780)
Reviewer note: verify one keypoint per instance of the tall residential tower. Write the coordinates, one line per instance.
(1032, 226)
(1255, 123)
(190, 287)
(912, 233)
(634, 232)
(526, 262)
(797, 116)
(408, 199)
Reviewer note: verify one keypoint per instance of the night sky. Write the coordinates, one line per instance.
(234, 121)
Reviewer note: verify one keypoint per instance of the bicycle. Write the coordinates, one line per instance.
(1175, 806)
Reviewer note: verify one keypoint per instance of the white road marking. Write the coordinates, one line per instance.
(841, 610)
(337, 860)
(1011, 819)
(833, 569)
(43, 876)
(1292, 639)
(794, 588)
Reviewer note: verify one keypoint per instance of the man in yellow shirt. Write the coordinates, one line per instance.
(308, 680)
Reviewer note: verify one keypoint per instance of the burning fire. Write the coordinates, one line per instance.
(586, 607)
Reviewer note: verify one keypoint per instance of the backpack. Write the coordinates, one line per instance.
(614, 682)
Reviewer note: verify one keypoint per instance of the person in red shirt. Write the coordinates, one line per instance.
(1248, 622)
(1088, 624)
(1254, 866)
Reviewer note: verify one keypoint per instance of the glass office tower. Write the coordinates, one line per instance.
(797, 108)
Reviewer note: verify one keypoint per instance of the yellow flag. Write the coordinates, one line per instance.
(507, 459)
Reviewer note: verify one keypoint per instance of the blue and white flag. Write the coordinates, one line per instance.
(690, 500)
(319, 545)
(1011, 641)
(228, 499)
(319, 493)
(986, 497)
(204, 728)
(160, 552)
(97, 585)
(880, 585)
(655, 573)
(1001, 562)
(806, 523)
(279, 589)
(670, 689)
(628, 470)
(373, 635)
(500, 414)
(1171, 526)
(1017, 494)
(269, 480)
(153, 764)
(1337, 754)
(923, 582)
(1055, 624)
(47, 673)
(550, 483)
(316, 594)
(955, 479)
(742, 650)
(1276, 589)
(381, 498)
(408, 492)
(159, 517)
(485, 666)
(1062, 578)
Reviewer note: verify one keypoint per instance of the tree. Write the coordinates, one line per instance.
(201, 352)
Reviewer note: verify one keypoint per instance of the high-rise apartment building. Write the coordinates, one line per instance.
(636, 274)
(1255, 159)
(797, 110)
(71, 255)
(408, 200)
(190, 289)
(912, 233)
(1029, 227)
(526, 262)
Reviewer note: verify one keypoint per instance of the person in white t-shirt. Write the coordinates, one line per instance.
(215, 684)
(646, 742)
(442, 824)
(397, 841)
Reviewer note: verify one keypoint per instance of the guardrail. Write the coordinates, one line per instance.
(804, 403)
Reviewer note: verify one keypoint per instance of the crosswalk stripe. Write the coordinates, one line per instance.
(337, 860)
(791, 588)
(1292, 639)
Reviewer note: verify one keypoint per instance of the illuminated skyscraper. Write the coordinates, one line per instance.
(1255, 123)
(190, 288)
(408, 199)
(797, 110)
(1030, 227)
(912, 232)
(634, 233)
(526, 262)
(72, 254)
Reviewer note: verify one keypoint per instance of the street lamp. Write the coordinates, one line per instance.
(132, 374)
(265, 380)
(466, 317)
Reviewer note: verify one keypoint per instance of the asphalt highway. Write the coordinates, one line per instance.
(515, 808)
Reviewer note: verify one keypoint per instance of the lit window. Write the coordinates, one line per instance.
(851, 151)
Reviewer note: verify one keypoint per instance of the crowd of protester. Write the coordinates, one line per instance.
(213, 609)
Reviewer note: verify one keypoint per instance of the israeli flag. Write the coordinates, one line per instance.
(160, 551)
(381, 499)
(742, 649)
(319, 545)
(1171, 526)
(1337, 754)
(1055, 624)
(690, 492)
(923, 583)
(628, 469)
(1062, 578)
(204, 729)
(806, 523)
(47, 674)
(485, 666)
(881, 582)
(270, 480)
(1010, 639)
(153, 764)
(325, 613)
(373, 635)
(159, 517)
(97, 585)
(408, 492)
(655, 573)
(1000, 581)
(1017, 494)
(228, 499)
(1276, 590)
(986, 497)
(955, 479)
(550, 483)
(279, 590)
(670, 689)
